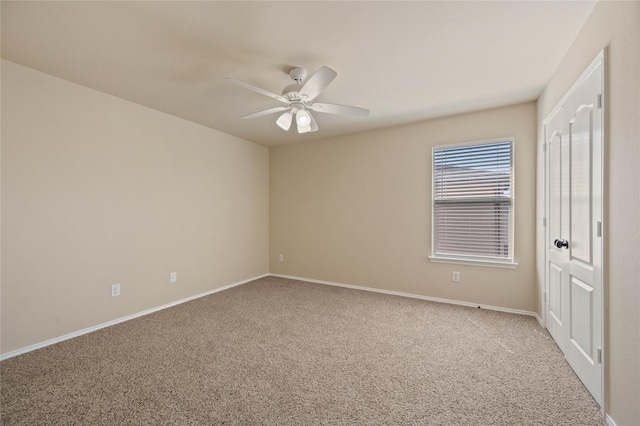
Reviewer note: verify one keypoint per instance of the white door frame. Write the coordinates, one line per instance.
(600, 60)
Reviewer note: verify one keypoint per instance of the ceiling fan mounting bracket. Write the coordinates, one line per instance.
(298, 74)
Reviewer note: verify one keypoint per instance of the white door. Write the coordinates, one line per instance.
(574, 143)
(557, 149)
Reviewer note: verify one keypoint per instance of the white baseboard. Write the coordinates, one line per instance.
(119, 320)
(609, 420)
(535, 314)
(414, 296)
(168, 305)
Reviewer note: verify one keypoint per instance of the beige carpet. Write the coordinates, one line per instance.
(283, 352)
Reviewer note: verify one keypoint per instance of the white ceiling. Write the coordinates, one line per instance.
(405, 61)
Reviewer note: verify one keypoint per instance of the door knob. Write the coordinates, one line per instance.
(561, 243)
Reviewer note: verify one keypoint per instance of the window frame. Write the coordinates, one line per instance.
(509, 263)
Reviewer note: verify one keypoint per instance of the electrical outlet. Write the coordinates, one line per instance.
(115, 290)
(173, 277)
(455, 276)
(281, 257)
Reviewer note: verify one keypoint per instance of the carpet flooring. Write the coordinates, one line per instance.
(284, 352)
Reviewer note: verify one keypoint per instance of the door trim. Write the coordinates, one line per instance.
(600, 60)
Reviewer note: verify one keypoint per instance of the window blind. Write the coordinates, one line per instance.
(473, 201)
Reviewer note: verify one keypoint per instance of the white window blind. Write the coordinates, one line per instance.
(473, 201)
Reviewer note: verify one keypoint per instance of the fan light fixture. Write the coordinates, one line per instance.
(302, 118)
(284, 121)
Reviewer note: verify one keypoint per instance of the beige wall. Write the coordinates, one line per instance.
(357, 210)
(613, 24)
(97, 190)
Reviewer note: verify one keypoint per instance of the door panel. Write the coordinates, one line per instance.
(555, 293)
(557, 190)
(581, 318)
(555, 184)
(573, 313)
(580, 147)
(585, 296)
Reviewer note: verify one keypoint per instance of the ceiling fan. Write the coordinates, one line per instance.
(299, 97)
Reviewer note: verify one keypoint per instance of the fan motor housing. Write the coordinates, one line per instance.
(292, 92)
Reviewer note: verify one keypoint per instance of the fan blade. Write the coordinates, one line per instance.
(257, 89)
(265, 112)
(313, 124)
(317, 83)
(284, 121)
(339, 109)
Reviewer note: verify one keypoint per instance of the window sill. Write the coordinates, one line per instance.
(475, 262)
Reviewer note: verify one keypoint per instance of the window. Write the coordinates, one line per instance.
(473, 203)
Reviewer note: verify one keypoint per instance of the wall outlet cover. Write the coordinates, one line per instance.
(115, 290)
